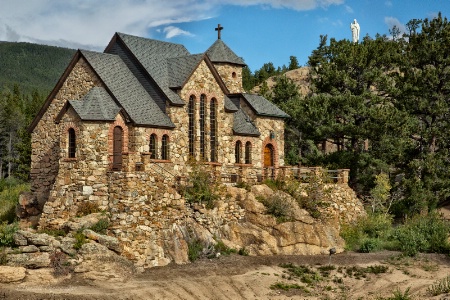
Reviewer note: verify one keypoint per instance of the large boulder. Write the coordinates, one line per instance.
(11, 274)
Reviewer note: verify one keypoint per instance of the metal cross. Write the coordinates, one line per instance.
(218, 29)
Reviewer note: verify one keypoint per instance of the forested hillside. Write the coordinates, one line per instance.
(33, 67)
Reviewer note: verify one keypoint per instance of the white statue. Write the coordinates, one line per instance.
(355, 31)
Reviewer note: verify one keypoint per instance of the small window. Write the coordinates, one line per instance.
(165, 147)
(72, 143)
(152, 146)
(233, 74)
(248, 153)
(237, 152)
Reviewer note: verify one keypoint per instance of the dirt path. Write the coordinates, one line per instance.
(240, 277)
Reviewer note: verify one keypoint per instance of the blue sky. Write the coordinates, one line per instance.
(259, 31)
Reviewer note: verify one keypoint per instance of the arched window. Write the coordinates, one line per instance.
(213, 129)
(248, 153)
(202, 126)
(165, 147)
(152, 146)
(72, 143)
(191, 114)
(237, 152)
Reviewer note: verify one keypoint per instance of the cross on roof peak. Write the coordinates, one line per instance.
(218, 29)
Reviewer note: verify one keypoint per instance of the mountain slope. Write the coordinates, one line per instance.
(32, 66)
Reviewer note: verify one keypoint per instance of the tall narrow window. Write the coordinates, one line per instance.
(165, 147)
(117, 148)
(72, 143)
(237, 152)
(191, 113)
(152, 146)
(213, 129)
(248, 153)
(202, 126)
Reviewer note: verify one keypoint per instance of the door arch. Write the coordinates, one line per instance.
(117, 148)
(269, 161)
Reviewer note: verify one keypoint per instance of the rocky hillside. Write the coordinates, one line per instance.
(299, 77)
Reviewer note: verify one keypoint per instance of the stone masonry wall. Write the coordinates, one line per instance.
(231, 76)
(45, 137)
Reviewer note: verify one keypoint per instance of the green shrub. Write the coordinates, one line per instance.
(80, 240)
(398, 295)
(369, 233)
(201, 186)
(221, 248)
(440, 287)
(61, 266)
(195, 248)
(243, 252)
(278, 207)
(101, 226)
(9, 198)
(423, 234)
(7, 234)
(286, 287)
(369, 245)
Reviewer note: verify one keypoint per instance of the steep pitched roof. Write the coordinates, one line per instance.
(154, 55)
(127, 89)
(242, 125)
(180, 68)
(96, 105)
(219, 52)
(264, 107)
(230, 105)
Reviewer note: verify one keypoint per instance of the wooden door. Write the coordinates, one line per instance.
(117, 148)
(268, 161)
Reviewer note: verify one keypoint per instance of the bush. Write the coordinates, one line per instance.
(9, 198)
(423, 234)
(80, 240)
(441, 286)
(101, 226)
(86, 208)
(369, 233)
(61, 266)
(195, 248)
(369, 245)
(278, 207)
(7, 234)
(201, 187)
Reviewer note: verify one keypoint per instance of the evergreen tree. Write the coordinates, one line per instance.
(293, 63)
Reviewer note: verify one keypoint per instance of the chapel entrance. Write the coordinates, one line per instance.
(117, 148)
(269, 170)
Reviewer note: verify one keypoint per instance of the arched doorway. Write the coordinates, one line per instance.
(269, 170)
(117, 148)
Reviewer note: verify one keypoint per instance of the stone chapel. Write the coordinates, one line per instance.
(149, 106)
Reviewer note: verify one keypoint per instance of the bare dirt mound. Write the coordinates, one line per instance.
(351, 276)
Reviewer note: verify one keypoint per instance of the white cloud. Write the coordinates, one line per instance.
(172, 31)
(388, 3)
(90, 24)
(349, 9)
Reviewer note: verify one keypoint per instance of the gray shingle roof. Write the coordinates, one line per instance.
(127, 90)
(96, 105)
(264, 107)
(229, 104)
(154, 55)
(242, 124)
(220, 52)
(180, 68)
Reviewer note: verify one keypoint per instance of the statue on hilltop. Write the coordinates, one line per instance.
(355, 31)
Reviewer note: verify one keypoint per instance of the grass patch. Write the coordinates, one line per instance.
(7, 234)
(86, 208)
(441, 286)
(195, 249)
(304, 273)
(278, 207)
(9, 198)
(288, 286)
(80, 240)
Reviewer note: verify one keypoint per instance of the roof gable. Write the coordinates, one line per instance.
(153, 56)
(181, 68)
(96, 105)
(242, 124)
(130, 94)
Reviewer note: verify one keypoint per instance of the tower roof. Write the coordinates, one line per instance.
(219, 52)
